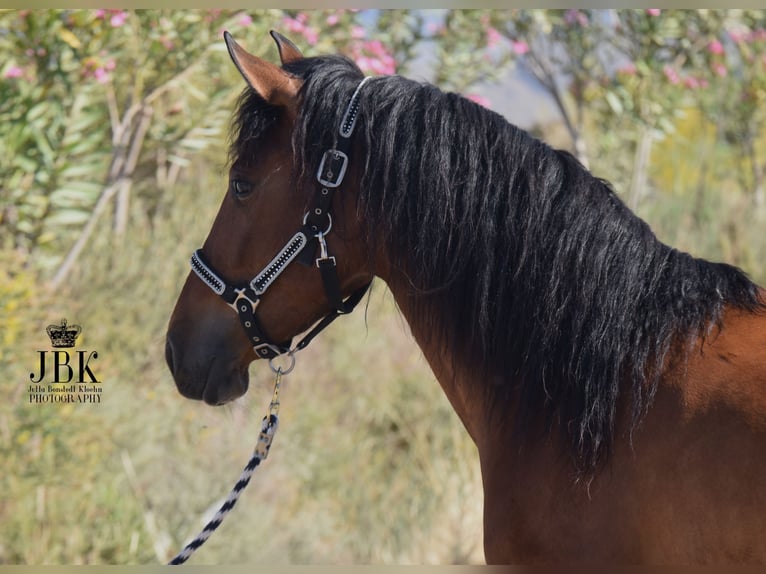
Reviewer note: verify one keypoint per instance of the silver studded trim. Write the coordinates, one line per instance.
(206, 274)
(349, 118)
(277, 265)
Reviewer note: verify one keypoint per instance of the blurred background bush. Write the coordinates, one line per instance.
(113, 129)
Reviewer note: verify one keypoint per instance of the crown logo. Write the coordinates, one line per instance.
(63, 335)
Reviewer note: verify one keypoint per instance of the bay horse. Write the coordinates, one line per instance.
(615, 387)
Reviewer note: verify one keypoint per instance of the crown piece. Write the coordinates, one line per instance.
(63, 335)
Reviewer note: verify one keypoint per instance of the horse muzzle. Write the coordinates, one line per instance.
(200, 372)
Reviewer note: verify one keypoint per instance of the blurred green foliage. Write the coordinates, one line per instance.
(370, 464)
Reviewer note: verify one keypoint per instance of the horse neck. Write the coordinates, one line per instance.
(466, 394)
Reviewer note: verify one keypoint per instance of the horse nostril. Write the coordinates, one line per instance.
(169, 356)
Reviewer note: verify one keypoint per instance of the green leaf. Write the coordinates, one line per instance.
(614, 102)
(70, 197)
(195, 143)
(44, 146)
(68, 217)
(180, 160)
(38, 111)
(78, 170)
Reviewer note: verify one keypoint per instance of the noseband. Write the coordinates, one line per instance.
(317, 223)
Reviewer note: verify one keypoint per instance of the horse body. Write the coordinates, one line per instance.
(615, 388)
(686, 488)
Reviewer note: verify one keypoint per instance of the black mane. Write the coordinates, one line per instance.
(524, 263)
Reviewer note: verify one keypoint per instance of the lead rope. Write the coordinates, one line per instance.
(269, 427)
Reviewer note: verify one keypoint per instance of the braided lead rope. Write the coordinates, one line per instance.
(269, 427)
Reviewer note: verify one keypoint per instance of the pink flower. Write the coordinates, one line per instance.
(715, 47)
(383, 66)
(98, 68)
(332, 19)
(101, 75)
(13, 72)
(245, 20)
(293, 25)
(576, 17)
(493, 37)
(736, 36)
(628, 69)
(372, 56)
(671, 74)
(311, 35)
(520, 47)
(720, 69)
(298, 26)
(364, 63)
(357, 32)
(691, 82)
(118, 19)
(100, 13)
(212, 14)
(376, 47)
(481, 100)
(653, 11)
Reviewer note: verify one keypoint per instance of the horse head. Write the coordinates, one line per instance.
(280, 253)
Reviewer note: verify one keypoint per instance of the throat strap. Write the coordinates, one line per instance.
(349, 305)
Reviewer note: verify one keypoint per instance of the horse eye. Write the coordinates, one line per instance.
(240, 188)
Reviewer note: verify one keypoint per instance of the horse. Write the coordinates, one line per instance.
(615, 387)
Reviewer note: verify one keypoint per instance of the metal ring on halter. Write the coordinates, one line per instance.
(280, 370)
(329, 225)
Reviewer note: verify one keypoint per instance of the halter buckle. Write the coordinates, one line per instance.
(332, 168)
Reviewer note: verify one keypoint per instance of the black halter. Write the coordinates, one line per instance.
(317, 223)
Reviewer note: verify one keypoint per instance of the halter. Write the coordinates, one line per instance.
(317, 223)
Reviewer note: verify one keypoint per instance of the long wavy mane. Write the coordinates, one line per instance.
(523, 263)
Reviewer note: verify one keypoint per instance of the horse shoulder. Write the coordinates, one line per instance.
(727, 371)
(685, 487)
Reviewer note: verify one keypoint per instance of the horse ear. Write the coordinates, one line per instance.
(271, 82)
(288, 52)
